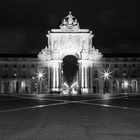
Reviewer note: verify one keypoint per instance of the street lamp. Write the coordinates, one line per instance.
(15, 75)
(125, 85)
(15, 82)
(33, 77)
(40, 76)
(106, 75)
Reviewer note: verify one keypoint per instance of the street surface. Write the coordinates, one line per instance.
(96, 117)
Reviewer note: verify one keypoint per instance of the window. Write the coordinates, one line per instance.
(116, 65)
(15, 66)
(23, 74)
(116, 73)
(23, 65)
(32, 66)
(107, 65)
(134, 73)
(133, 65)
(124, 65)
(14, 74)
(125, 74)
(6, 65)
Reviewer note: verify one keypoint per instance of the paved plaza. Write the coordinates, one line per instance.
(94, 117)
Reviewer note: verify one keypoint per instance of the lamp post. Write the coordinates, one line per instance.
(40, 76)
(33, 84)
(15, 83)
(106, 75)
(125, 83)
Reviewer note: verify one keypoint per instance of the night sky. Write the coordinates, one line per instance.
(24, 23)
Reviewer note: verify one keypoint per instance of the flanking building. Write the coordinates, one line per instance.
(91, 72)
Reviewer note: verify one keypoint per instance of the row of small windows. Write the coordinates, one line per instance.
(15, 74)
(116, 74)
(33, 66)
(15, 66)
(122, 59)
(116, 65)
(125, 65)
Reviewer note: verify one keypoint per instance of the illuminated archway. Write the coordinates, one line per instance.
(69, 41)
(70, 51)
(70, 69)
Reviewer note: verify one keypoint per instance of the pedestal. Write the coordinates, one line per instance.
(84, 91)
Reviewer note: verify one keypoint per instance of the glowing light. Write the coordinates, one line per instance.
(126, 95)
(106, 105)
(125, 84)
(66, 85)
(73, 84)
(40, 75)
(106, 74)
(74, 92)
(65, 92)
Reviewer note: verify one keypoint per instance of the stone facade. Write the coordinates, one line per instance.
(20, 75)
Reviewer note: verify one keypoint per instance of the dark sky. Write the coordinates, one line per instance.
(115, 23)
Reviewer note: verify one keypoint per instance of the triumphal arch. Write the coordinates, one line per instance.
(69, 43)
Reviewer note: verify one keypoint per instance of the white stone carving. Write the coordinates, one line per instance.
(69, 40)
(70, 24)
(45, 54)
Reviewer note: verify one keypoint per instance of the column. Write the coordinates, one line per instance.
(55, 66)
(86, 77)
(57, 78)
(2, 87)
(89, 77)
(10, 88)
(101, 84)
(82, 77)
(79, 77)
(60, 75)
(84, 80)
(48, 78)
(29, 87)
(20, 87)
(53, 77)
(91, 80)
(136, 86)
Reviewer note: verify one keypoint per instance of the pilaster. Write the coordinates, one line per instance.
(55, 66)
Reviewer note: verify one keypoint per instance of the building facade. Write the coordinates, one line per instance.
(91, 73)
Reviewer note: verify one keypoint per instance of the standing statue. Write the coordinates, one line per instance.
(70, 18)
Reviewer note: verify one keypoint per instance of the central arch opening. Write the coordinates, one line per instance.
(70, 69)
